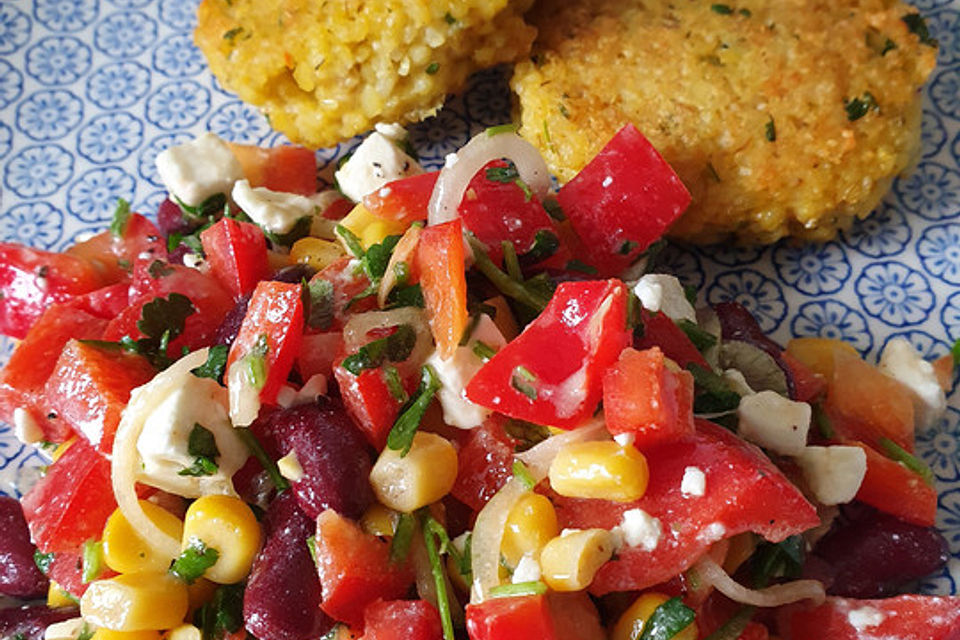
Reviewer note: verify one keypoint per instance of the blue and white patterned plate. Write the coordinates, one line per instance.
(92, 90)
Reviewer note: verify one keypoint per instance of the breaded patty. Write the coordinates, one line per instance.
(326, 70)
(782, 117)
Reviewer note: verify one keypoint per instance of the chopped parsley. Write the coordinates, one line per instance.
(449, 18)
(320, 307)
(432, 68)
(508, 174)
(405, 428)
(667, 620)
(92, 561)
(402, 537)
(194, 561)
(770, 131)
(522, 380)
(553, 209)
(120, 217)
(522, 474)
(223, 614)
(700, 338)
(582, 267)
(396, 347)
(215, 365)
(858, 107)
(918, 26)
(202, 445)
(722, 9)
(43, 561)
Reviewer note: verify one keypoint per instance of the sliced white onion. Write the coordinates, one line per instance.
(126, 460)
(773, 596)
(482, 148)
(357, 328)
(539, 457)
(487, 536)
(422, 571)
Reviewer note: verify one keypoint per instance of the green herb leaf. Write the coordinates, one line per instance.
(553, 209)
(508, 174)
(734, 626)
(202, 445)
(159, 269)
(405, 296)
(92, 561)
(501, 128)
(700, 338)
(822, 421)
(402, 537)
(257, 451)
(207, 210)
(907, 459)
(582, 267)
(483, 351)
(86, 633)
(320, 307)
(722, 9)
(770, 132)
(165, 316)
(859, 107)
(522, 292)
(43, 561)
(350, 240)
(713, 393)
(917, 25)
(396, 347)
(223, 614)
(432, 532)
(432, 68)
(522, 474)
(193, 561)
(545, 244)
(299, 230)
(518, 589)
(395, 384)
(667, 620)
(449, 18)
(783, 559)
(377, 257)
(215, 365)
(404, 429)
(955, 352)
(120, 217)
(522, 380)
(312, 548)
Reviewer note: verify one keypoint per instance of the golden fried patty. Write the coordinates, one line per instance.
(782, 117)
(326, 70)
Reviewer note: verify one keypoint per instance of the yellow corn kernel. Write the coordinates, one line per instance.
(423, 476)
(227, 524)
(370, 228)
(600, 469)
(57, 597)
(817, 353)
(630, 625)
(532, 523)
(184, 632)
(569, 561)
(126, 552)
(107, 634)
(379, 521)
(135, 602)
(315, 252)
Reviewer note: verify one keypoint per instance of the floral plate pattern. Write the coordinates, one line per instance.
(92, 90)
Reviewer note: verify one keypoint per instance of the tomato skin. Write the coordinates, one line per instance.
(660, 331)
(401, 620)
(318, 352)
(237, 254)
(113, 255)
(511, 618)
(574, 341)
(626, 194)
(404, 200)
(90, 387)
(905, 617)
(286, 168)
(355, 569)
(440, 257)
(744, 492)
(107, 302)
(369, 402)
(892, 488)
(485, 463)
(275, 311)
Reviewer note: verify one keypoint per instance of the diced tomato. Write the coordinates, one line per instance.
(31, 280)
(643, 397)
(485, 463)
(807, 385)
(500, 211)
(369, 402)
(444, 283)
(275, 314)
(404, 200)
(23, 378)
(348, 282)
(552, 373)
(906, 617)
(660, 331)
(355, 569)
(892, 488)
(113, 255)
(285, 168)
(90, 387)
(72, 502)
(318, 352)
(107, 302)
(237, 254)
(401, 620)
(622, 201)
(513, 618)
(744, 492)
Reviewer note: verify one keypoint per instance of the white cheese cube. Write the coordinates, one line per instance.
(694, 482)
(664, 293)
(865, 617)
(275, 211)
(638, 528)
(834, 473)
(527, 570)
(774, 422)
(196, 170)
(904, 364)
(455, 373)
(376, 162)
(25, 428)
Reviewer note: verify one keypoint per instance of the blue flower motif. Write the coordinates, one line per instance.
(49, 114)
(11, 84)
(7, 345)
(238, 122)
(932, 191)
(110, 137)
(812, 268)
(732, 256)
(6, 140)
(895, 293)
(944, 93)
(10, 447)
(58, 60)
(941, 583)
(14, 28)
(834, 320)
(950, 316)
(759, 294)
(66, 15)
(487, 99)
(38, 170)
(944, 26)
(151, 204)
(682, 263)
(939, 249)
(34, 223)
(939, 446)
(147, 160)
(178, 105)
(94, 195)
(933, 132)
(130, 4)
(177, 56)
(948, 518)
(125, 34)
(435, 137)
(885, 232)
(179, 14)
(929, 5)
(118, 85)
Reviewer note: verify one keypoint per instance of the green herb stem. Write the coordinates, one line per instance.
(258, 452)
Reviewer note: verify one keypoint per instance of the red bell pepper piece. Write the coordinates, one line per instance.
(485, 463)
(355, 569)
(744, 492)
(275, 319)
(660, 331)
(90, 387)
(552, 373)
(444, 283)
(905, 617)
(622, 201)
(401, 620)
(404, 200)
(237, 254)
(515, 618)
(286, 168)
(892, 488)
(643, 397)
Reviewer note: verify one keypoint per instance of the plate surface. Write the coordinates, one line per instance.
(92, 90)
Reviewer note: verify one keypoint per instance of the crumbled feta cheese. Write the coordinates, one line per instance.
(193, 260)
(639, 529)
(528, 570)
(66, 630)
(196, 170)
(712, 532)
(774, 422)
(834, 473)
(25, 427)
(865, 617)
(377, 161)
(289, 467)
(904, 364)
(625, 439)
(661, 292)
(275, 211)
(737, 382)
(455, 372)
(694, 482)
